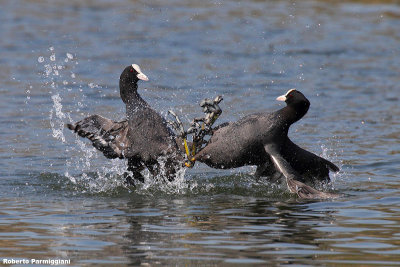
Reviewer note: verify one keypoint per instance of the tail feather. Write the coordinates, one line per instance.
(331, 166)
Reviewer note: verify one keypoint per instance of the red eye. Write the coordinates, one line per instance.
(131, 70)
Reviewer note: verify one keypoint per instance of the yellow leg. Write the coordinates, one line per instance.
(193, 149)
(186, 147)
(191, 161)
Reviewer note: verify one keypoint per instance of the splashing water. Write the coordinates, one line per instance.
(331, 155)
(51, 74)
(86, 167)
(56, 120)
(178, 186)
(81, 166)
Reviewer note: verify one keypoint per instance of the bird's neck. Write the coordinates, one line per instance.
(128, 91)
(294, 112)
(132, 99)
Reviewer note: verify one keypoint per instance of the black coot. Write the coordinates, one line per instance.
(142, 138)
(262, 139)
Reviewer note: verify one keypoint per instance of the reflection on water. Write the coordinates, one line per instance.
(61, 61)
(181, 230)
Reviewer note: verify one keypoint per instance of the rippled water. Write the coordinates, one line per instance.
(61, 60)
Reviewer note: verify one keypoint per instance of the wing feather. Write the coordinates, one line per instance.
(108, 136)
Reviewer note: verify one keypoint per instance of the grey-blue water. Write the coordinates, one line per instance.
(61, 199)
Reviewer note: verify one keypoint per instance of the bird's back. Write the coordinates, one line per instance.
(249, 129)
(239, 143)
(149, 133)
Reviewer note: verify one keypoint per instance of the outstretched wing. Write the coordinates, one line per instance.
(108, 136)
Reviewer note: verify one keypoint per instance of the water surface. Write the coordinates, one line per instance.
(61, 60)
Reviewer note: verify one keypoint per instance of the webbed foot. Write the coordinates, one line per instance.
(177, 124)
(199, 128)
(180, 130)
(211, 110)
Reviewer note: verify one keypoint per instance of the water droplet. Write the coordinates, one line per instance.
(73, 75)
(53, 57)
(40, 59)
(48, 69)
(70, 56)
(51, 48)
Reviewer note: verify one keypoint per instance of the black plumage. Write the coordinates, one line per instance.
(143, 137)
(262, 139)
